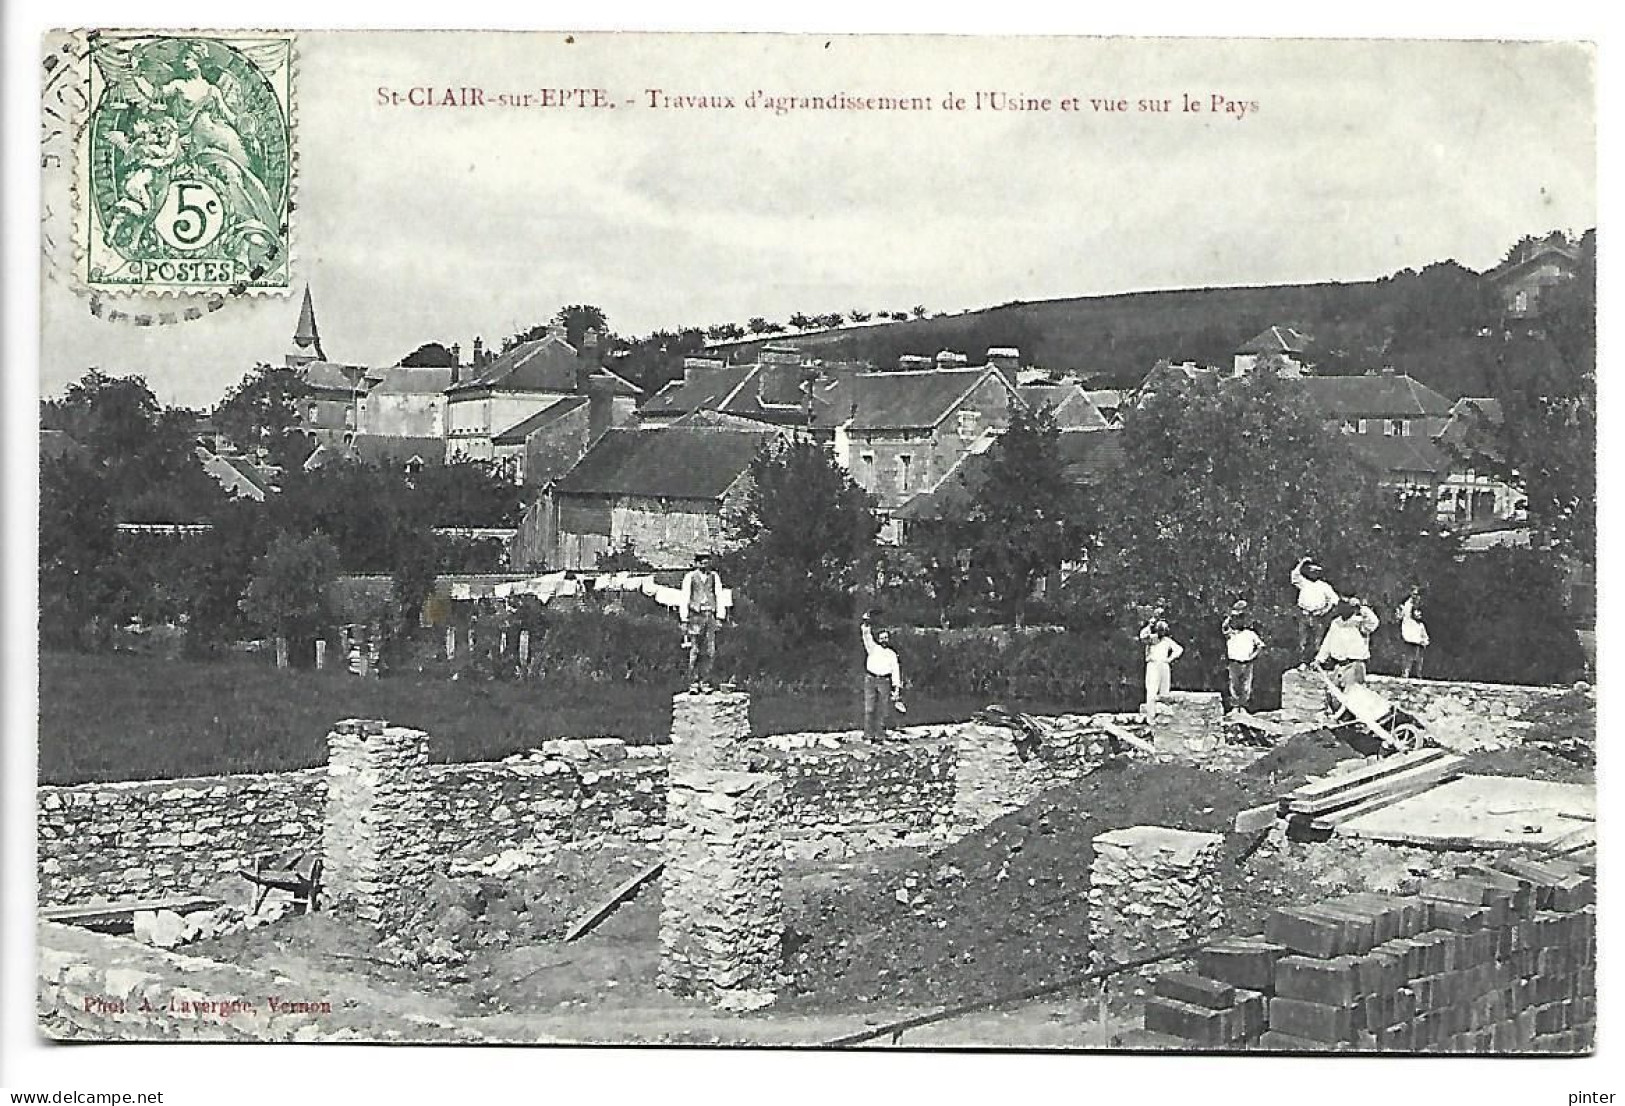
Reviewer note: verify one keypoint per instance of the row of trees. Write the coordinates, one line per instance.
(134, 461)
(1221, 488)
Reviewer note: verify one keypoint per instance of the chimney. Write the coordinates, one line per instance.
(1387, 370)
(913, 362)
(479, 350)
(600, 407)
(1007, 358)
(554, 330)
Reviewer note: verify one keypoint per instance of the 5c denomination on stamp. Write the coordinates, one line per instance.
(186, 162)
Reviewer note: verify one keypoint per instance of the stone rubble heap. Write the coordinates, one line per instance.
(992, 778)
(377, 851)
(1152, 888)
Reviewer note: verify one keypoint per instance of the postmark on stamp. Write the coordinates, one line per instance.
(186, 163)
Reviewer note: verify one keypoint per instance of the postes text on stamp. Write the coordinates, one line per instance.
(186, 163)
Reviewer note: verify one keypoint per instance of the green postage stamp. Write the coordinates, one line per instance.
(186, 162)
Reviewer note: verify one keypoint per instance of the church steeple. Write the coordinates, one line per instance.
(307, 341)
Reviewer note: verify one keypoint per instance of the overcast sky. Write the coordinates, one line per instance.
(439, 224)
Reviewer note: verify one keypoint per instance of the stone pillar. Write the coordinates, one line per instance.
(1303, 696)
(1152, 888)
(990, 779)
(376, 848)
(1189, 724)
(709, 728)
(722, 908)
(524, 647)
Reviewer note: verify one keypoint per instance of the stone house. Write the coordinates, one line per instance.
(523, 382)
(778, 390)
(1383, 404)
(1280, 347)
(661, 492)
(1520, 280)
(407, 402)
(1470, 493)
(909, 428)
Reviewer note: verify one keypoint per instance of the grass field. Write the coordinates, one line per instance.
(125, 717)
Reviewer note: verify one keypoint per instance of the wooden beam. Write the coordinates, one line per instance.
(607, 905)
(1257, 818)
(1388, 766)
(1435, 771)
(117, 911)
(1407, 791)
(1125, 737)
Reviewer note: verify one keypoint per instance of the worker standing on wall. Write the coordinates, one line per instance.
(1316, 598)
(1346, 648)
(882, 679)
(1241, 648)
(700, 610)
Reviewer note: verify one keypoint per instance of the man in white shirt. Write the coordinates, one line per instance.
(700, 608)
(1241, 648)
(1414, 632)
(1346, 649)
(1316, 598)
(882, 680)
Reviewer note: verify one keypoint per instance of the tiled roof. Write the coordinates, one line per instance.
(547, 364)
(332, 376)
(767, 393)
(672, 463)
(1276, 339)
(519, 431)
(406, 380)
(1384, 396)
(913, 400)
(1471, 431)
(1398, 455)
(1091, 455)
(1069, 404)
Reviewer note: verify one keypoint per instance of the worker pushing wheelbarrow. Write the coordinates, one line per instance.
(1359, 710)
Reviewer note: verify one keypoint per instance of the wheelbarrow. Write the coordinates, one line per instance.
(300, 875)
(1361, 711)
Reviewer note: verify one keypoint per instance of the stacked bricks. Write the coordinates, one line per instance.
(722, 911)
(1151, 889)
(1189, 724)
(1501, 958)
(377, 853)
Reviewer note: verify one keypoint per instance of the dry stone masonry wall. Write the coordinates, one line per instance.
(377, 853)
(1458, 715)
(1500, 958)
(1152, 888)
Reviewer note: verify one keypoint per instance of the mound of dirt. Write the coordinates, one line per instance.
(1003, 908)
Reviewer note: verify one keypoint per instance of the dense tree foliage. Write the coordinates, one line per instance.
(260, 416)
(807, 538)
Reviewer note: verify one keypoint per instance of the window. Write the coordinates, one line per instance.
(867, 461)
(349, 418)
(315, 414)
(1351, 426)
(905, 465)
(1397, 428)
(970, 423)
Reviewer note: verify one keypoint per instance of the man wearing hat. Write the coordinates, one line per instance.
(882, 679)
(1316, 598)
(1241, 648)
(700, 609)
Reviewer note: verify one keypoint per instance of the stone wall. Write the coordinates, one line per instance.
(722, 893)
(377, 853)
(1458, 715)
(1152, 888)
(109, 841)
(843, 795)
(1500, 958)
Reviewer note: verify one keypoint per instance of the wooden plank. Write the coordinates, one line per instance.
(114, 910)
(606, 907)
(1388, 766)
(1125, 737)
(1262, 725)
(1435, 771)
(1256, 818)
(1337, 817)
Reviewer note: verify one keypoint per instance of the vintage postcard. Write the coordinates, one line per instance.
(845, 541)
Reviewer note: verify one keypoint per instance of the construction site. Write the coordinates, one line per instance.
(1421, 879)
